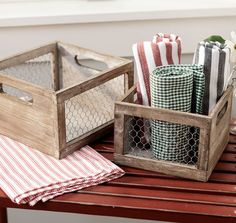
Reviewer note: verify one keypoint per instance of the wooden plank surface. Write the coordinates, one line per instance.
(150, 195)
(3, 215)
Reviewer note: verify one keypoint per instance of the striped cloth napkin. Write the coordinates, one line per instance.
(163, 50)
(29, 176)
(175, 87)
(216, 60)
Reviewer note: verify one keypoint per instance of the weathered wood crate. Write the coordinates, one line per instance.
(53, 100)
(204, 137)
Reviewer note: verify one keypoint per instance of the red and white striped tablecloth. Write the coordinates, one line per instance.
(28, 176)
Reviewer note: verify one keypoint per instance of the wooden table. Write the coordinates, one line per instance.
(147, 195)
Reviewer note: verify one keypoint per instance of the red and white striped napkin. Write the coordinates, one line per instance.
(28, 176)
(163, 50)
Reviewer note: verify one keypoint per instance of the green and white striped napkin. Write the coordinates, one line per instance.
(181, 88)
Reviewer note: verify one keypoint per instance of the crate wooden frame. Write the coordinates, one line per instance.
(41, 123)
(214, 135)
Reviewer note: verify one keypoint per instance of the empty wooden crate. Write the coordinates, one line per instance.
(195, 142)
(59, 97)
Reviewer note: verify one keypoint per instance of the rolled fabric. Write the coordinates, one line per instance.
(215, 58)
(165, 49)
(175, 87)
(170, 48)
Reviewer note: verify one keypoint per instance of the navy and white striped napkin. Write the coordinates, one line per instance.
(215, 58)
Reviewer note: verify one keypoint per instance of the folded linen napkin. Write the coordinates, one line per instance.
(163, 50)
(175, 87)
(216, 60)
(28, 176)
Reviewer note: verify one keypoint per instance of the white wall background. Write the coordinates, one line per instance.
(113, 37)
(112, 34)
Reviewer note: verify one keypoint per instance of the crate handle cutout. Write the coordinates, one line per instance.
(221, 113)
(91, 63)
(16, 93)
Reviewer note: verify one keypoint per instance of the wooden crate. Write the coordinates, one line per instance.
(60, 97)
(213, 132)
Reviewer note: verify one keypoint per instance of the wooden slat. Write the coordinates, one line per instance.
(151, 195)
(219, 135)
(168, 115)
(186, 171)
(228, 157)
(203, 157)
(224, 172)
(176, 184)
(225, 167)
(232, 139)
(102, 147)
(142, 204)
(3, 215)
(129, 95)
(55, 69)
(28, 55)
(99, 79)
(129, 78)
(31, 123)
(113, 207)
(31, 88)
(163, 194)
(223, 177)
(61, 119)
(231, 148)
(108, 139)
(119, 132)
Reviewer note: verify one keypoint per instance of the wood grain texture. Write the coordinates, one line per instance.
(129, 95)
(129, 78)
(214, 135)
(219, 137)
(185, 171)
(143, 194)
(92, 82)
(27, 55)
(26, 122)
(55, 68)
(119, 133)
(203, 151)
(61, 119)
(41, 123)
(163, 114)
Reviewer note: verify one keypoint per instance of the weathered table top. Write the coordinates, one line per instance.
(148, 195)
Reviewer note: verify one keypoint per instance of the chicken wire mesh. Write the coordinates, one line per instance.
(83, 112)
(161, 140)
(72, 72)
(92, 108)
(36, 71)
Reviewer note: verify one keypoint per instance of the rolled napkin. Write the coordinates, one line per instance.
(165, 49)
(28, 176)
(175, 87)
(215, 58)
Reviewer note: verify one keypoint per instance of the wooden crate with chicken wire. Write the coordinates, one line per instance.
(59, 97)
(168, 141)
